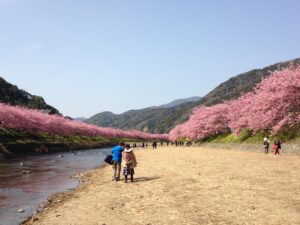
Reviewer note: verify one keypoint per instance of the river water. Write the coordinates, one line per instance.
(49, 174)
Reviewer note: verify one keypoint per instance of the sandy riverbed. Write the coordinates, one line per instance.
(186, 186)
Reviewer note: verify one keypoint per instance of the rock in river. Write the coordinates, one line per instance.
(21, 210)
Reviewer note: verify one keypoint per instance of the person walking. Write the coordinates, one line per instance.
(154, 145)
(277, 146)
(117, 160)
(130, 163)
(266, 145)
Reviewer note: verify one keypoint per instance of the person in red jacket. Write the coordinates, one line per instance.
(277, 146)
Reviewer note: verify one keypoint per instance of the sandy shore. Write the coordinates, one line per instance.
(186, 186)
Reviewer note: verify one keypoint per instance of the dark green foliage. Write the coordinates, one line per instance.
(243, 135)
(11, 94)
(18, 142)
(153, 120)
(288, 134)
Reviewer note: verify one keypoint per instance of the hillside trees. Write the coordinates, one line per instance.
(273, 105)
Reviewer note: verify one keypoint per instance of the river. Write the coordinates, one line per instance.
(26, 182)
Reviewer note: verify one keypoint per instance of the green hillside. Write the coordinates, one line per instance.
(11, 94)
(162, 120)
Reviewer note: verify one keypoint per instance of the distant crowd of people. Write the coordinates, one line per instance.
(123, 155)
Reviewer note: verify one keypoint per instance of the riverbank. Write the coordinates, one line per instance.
(186, 186)
(26, 182)
(16, 143)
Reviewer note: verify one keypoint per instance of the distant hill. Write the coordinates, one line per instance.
(152, 119)
(163, 118)
(80, 119)
(242, 83)
(11, 94)
(179, 102)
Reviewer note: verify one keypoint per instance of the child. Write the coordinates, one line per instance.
(129, 163)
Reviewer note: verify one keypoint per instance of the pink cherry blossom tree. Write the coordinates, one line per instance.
(273, 105)
(29, 120)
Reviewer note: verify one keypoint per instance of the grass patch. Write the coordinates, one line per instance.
(24, 142)
(287, 135)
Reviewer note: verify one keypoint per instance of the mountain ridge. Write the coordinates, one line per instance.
(162, 120)
(180, 101)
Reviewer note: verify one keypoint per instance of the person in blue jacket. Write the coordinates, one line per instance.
(117, 160)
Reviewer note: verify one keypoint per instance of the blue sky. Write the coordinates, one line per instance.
(89, 56)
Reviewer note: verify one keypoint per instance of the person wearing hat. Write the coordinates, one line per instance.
(129, 163)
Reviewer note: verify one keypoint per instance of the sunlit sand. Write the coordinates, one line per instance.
(187, 185)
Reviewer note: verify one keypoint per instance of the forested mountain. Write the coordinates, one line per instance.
(242, 83)
(152, 119)
(180, 101)
(11, 94)
(162, 120)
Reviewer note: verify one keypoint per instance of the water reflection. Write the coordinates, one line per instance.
(27, 182)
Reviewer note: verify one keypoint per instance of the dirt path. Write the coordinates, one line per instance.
(187, 186)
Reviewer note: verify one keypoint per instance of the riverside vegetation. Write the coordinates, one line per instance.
(270, 109)
(26, 130)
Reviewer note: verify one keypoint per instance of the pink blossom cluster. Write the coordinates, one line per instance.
(29, 120)
(273, 105)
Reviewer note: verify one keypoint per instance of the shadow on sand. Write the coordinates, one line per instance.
(142, 179)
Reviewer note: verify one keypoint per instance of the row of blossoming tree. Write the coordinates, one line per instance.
(33, 121)
(273, 105)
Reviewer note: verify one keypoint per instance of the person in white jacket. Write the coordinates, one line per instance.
(266, 145)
